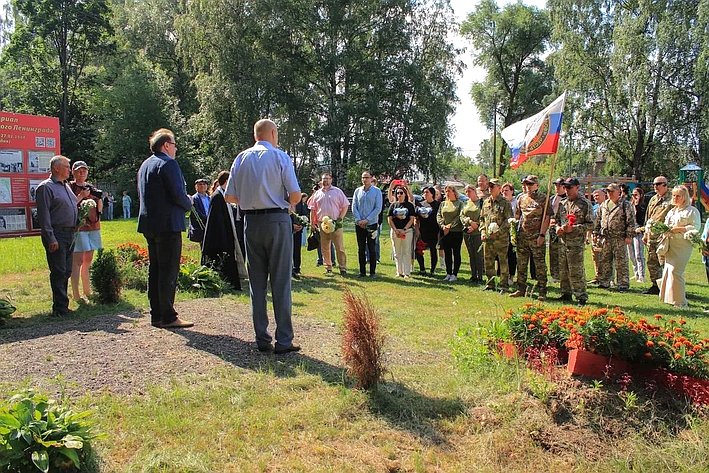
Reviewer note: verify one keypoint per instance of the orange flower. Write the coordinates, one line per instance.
(690, 353)
(677, 356)
(531, 326)
(650, 343)
(658, 317)
(612, 330)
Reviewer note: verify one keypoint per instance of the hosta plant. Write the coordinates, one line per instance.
(39, 434)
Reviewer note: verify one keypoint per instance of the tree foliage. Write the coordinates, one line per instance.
(51, 60)
(510, 45)
(355, 84)
(630, 69)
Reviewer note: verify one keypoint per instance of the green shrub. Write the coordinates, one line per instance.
(194, 277)
(105, 277)
(37, 434)
(134, 276)
(6, 309)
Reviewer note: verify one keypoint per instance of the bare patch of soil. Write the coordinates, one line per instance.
(123, 353)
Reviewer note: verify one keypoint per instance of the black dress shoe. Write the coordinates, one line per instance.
(62, 313)
(265, 348)
(652, 290)
(582, 302)
(290, 349)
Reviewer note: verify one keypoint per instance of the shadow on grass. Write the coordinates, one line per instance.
(399, 405)
(105, 318)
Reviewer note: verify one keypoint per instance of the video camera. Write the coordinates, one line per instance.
(94, 191)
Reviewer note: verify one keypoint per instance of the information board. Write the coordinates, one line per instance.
(27, 144)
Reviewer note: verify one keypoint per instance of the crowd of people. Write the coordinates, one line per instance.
(251, 224)
(511, 237)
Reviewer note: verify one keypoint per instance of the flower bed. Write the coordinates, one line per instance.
(665, 350)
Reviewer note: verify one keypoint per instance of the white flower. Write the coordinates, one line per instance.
(691, 234)
(327, 225)
(512, 221)
(493, 228)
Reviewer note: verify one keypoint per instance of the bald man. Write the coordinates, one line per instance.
(262, 182)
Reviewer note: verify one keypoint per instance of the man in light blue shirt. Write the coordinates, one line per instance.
(366, 206)
(262, 182)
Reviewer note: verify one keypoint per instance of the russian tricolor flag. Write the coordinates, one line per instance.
(536, 135)
(704, 195)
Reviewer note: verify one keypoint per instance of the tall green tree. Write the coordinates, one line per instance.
(353, 84)
(509, 44)
(630, 69)
(51, 59)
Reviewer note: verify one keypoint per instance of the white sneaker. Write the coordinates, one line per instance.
(453, 277)
(448, 277)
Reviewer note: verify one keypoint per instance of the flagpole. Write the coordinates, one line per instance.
(546, 202)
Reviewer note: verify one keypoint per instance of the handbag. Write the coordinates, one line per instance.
(313, 240)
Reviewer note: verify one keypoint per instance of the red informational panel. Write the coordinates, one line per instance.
(27, 144)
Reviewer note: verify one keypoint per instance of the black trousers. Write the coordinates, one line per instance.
(365, 242)
(59, 263)
(451, 244)
(297, 245)
(164, 250)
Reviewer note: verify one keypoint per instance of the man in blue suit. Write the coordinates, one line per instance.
(200, 210)
(161, 219)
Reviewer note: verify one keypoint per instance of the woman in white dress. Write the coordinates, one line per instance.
(682, 218)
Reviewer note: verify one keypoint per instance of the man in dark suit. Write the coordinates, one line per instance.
(161, 219)
(200, 210)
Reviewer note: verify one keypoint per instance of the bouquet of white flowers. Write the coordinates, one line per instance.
(695, 237)
(656, 228)
(327, 225)
(513, 230)
(301, 220)
(84, 210)
(493, 228)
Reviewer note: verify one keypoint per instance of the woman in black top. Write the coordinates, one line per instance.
(301, 208)
(401, 219)
(426, 212)
(220, 247)
(636, 248)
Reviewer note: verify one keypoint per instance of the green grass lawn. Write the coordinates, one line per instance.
(426, 417)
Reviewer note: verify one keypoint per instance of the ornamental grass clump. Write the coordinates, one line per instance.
(362, 341)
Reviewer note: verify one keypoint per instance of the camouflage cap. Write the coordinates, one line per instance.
(571, 181)
(530, 179)
(613, 187)
(495, 182)
(560, 181)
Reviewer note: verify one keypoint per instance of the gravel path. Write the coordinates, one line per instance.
(122, 353)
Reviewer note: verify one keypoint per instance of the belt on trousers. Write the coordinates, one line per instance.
(64, 229)
(264, 211)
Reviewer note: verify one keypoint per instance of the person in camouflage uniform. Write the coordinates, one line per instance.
(554, 243)
(496, 210)
(530, 238)
(573, 238)
(657, 209)
(612, 231)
